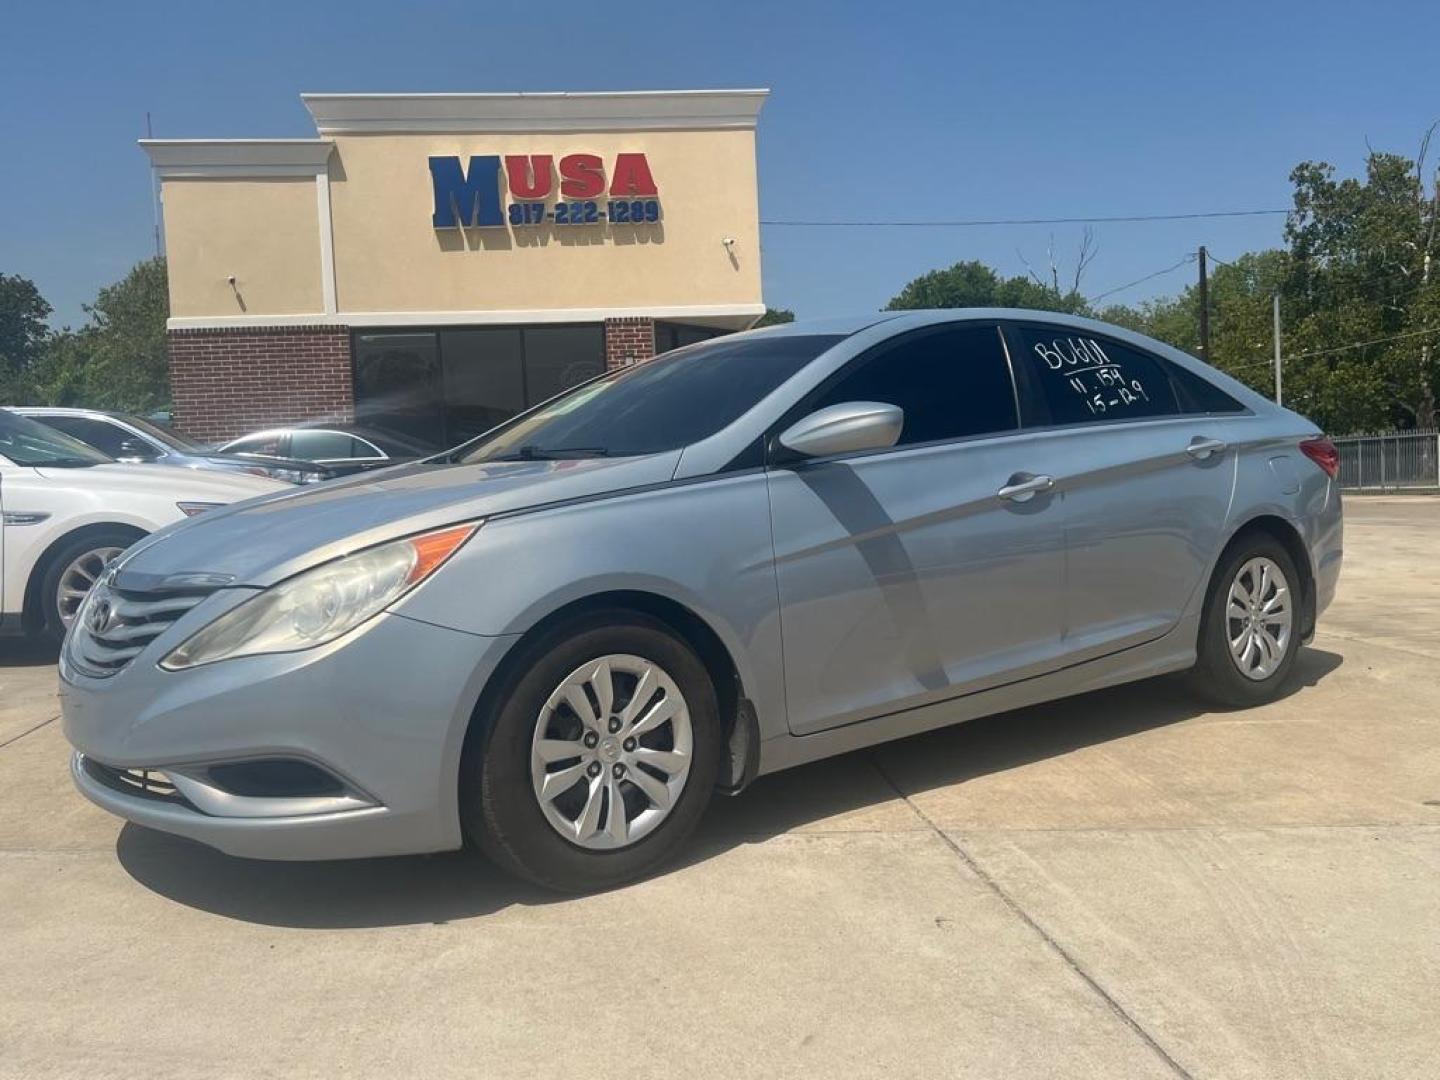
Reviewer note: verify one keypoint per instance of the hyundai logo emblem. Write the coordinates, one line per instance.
(101, 612)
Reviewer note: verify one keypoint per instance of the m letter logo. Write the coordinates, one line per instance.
(466, 199)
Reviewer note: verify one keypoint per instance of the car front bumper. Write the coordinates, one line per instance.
(382, 713)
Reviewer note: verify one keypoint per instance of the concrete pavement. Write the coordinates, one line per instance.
(1118, 885)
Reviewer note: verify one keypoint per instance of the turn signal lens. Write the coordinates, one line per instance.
(432, 549)
(317, 606)
(1324, 453)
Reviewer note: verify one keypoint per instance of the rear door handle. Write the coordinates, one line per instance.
(1201, 448)
(1022, 487)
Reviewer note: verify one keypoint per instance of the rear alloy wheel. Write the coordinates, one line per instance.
(600, 757)
(1259, 618)
(1248, 631)
(73, 572)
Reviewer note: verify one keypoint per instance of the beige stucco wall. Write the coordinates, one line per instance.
(265, 232)
(389, 258)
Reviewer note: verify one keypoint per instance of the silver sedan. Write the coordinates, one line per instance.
(559, 639)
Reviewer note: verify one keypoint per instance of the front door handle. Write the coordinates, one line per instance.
(1201, 448)
(1022, 487)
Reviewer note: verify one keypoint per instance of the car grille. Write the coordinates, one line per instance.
(115, 626)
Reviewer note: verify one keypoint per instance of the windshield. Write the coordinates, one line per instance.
(169, 437)
(663, 404)
(27, 443)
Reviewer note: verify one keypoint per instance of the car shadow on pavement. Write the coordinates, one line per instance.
(348, 893)
(437, 889)
(27, 652)
(952, 756)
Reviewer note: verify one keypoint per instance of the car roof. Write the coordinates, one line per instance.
(67, 410)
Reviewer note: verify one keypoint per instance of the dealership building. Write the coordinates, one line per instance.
(434, 263)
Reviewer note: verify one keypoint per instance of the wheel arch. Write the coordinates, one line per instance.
(737, 713)
(33, 611)
(1283, 532)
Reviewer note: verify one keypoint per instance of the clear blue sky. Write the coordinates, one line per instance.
(930, 110)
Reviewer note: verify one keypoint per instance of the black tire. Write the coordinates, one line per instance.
(52, 626)
(1216, 675)
(498, 806)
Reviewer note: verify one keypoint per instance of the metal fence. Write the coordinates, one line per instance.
(1394, 461)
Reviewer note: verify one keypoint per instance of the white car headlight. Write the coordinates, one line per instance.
(317, 606)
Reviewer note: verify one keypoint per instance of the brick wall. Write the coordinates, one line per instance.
(225, 383)
(627, 340)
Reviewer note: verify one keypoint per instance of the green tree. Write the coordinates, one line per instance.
(117, 360)
(1362, 254)
(973, 284)
(23, 334)
(1359, 299)
(128, 368)
(775, 316)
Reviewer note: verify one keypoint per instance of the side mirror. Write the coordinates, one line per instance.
(845, 429)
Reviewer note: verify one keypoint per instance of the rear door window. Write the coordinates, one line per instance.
(1080, 378)
(1197, 394)
(324, 445)
(257, 444)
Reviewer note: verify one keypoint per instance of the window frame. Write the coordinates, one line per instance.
(777, 456)
(1035, 413)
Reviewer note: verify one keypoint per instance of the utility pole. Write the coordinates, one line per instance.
(154, 189)
(1275, 299)
(1204, 309)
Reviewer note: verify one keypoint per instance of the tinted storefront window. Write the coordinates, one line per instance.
(447, 386)
(398, 385)
(677, 335)
(484, 379)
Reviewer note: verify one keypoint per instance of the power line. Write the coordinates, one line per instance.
(1140, 281)
(1362, 344)
(968, 223)
(1250, 364)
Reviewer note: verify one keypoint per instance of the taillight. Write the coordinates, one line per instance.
(1324, 454)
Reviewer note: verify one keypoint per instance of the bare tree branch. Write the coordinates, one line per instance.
(1088, 250)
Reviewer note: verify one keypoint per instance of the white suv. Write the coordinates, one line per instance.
(66, 510)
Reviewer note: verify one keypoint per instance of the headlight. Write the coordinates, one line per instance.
(317, 606)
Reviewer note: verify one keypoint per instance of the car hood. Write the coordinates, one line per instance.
(267, 540)
(163, 480)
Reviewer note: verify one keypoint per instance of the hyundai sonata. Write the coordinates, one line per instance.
(559, 639)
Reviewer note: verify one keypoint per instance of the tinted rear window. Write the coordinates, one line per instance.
(1084, 379)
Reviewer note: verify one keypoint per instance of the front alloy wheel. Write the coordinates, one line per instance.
(78, 578)
(611, 752)
(594, 754)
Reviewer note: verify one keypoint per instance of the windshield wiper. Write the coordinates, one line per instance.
(531, 452)
(68, 463)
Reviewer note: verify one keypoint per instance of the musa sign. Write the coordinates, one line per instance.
(473, 196)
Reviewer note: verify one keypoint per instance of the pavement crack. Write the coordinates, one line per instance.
(1010, 902)
(27, 731)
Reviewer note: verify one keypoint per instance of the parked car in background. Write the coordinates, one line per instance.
(558, 639)
(129, 438)
(66, 510)
(342, 448)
